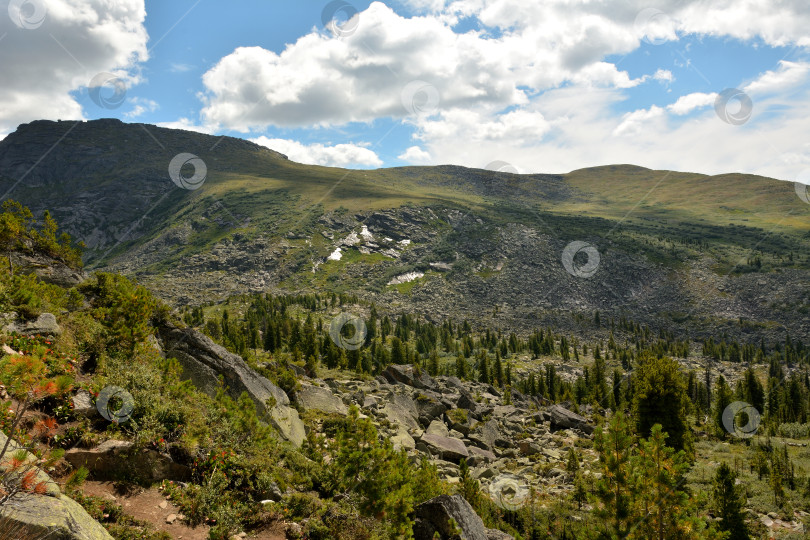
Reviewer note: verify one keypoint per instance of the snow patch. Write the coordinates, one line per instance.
(406, 278)
(365, 233)
(404, 242)
(336, 255)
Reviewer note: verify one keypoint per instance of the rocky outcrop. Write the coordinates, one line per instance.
(114, 460)
(452, 518)
(46, 268)
(405, 374)
(447, 448)
(44, 325)
(321, 399)
(203, 362)
(51, 515)
(565, 419)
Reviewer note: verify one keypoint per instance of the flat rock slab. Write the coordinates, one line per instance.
(113, 460)
(57, 518)
(321, 399)
(447, 448)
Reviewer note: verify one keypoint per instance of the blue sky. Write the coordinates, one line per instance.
(547, 87)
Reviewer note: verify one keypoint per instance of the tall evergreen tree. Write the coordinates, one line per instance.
(728, 503)
(660, 398)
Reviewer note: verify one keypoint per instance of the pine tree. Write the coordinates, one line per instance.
(722, 400)
(469, 487)
(614, 490)
(660, 398)
(728, 503)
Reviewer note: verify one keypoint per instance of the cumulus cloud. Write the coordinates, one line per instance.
(339, 155)
(690, 102)
(62, 52)
(141, 106)
(416, 156)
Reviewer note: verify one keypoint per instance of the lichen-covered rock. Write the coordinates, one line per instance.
(113, 460)
(203, 361)
(45, 325)
(50, 515)
(451, 517)
(321, 399)
(55, 518)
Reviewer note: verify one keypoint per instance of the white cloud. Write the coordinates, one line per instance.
(188, 125)
(637, 121)
(180, 68)
(690, 102)
(789, 75)
(141, 106)
(339, 155)
(664, 75)
(415, 155)
(77, 40)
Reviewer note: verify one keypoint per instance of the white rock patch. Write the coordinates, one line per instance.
(406, 278)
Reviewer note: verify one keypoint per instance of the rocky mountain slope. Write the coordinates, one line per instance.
(682, 252)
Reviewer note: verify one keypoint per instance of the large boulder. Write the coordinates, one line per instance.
(113, 460)
(321, 399)
(406, 374)
(401, 410)
(45, 325)
(45, 268)
(562, 418)
(203, 361)
(447, 448)
(452, 517)
(54, 518)
(49, 515)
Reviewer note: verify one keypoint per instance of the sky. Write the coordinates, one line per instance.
(709, 86)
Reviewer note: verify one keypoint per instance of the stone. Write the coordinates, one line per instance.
(57, 518)
(495, 534)
(403, 440)
(321, 399)
(45, 268)
(49, 515)
(528, 448)
(113, 460)
(171, 518)
(45, 325)
(447, 448)
(565, 419)
(484, 456)
(401, 410)
(406, 374)
(449, 515)
(83, 404)
(437, 427)
(203, 361)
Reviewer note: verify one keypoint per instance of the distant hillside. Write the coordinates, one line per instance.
(679, 251)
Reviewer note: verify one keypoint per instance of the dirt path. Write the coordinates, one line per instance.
(151, 506)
